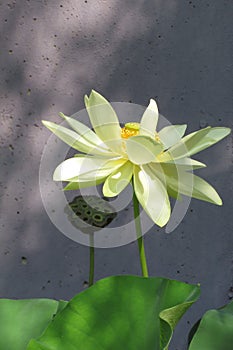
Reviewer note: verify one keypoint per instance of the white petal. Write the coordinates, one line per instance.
(85, 132)
(118, 180)
(164, 173)
(188, 184)
(204, 191)
(195, 142)
(185, 164)
(142, 149)
(86, 100)
(83, 184)
(74, 140)
(152, 195)
(104, 121)
(175, 167)
(171, 134)
(149, 120)
(80, 169)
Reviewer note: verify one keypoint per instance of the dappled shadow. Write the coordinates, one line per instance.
(52, 53)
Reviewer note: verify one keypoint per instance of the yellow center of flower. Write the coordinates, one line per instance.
(157, 139)
(130, 129)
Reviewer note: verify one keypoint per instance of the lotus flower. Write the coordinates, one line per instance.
(158, 161)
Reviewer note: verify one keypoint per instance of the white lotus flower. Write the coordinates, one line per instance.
(158, 162)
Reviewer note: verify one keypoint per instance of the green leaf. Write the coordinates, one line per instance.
(22, 320)
(215, 331)
(120, 312)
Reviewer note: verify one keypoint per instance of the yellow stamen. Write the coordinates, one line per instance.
(130, 129)
(157, 139)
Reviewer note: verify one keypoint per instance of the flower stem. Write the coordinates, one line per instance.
(92, 260)
(139, 235)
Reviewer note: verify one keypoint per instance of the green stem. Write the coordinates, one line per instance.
(92, 260)
(141, 247)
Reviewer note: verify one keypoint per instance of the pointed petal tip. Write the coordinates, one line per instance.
(62, 115)
(162, 223)
(153, 105)
(153, 101)
(96, 98)
(97, 95)
(56, 173)
(94, 91)
(219, 202)
(46, 123)
(163, 220)
(224, 129)
(228, 130)
(55, 177)
(86, 100)
(107, 193)
(49, 124)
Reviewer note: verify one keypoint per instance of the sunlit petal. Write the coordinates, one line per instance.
(104, 121)
(159, 162)
(213, 136)
(80, 169)
(74, 140)
(171, 134)
(118, 180)
(204, 191)
(142, 149)
(187, 163)
(82, 184)
(186, 183)
(149, 120)
(85, 132)
(152, 195)
(195, 142)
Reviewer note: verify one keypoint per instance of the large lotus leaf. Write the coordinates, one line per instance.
(120, 312)
(215, 331)
(22, 320)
